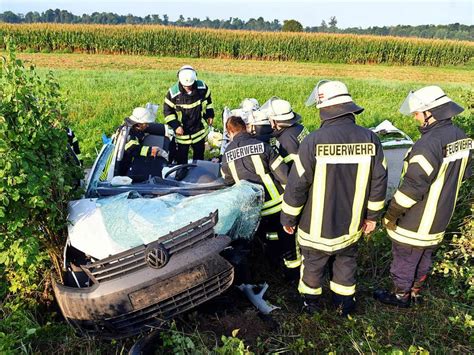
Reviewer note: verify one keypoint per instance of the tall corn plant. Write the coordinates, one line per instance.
(208, 43)
(36, 179)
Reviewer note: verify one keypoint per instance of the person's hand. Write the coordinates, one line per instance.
(389, 224)
(289, 230)
(368, 226)
(155, 151)
(392, 215)
(179, 131)
(210, 121)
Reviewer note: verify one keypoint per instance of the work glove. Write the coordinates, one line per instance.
(394, 212)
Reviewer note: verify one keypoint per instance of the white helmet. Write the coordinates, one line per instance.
(333, 99)
(250, 105)
(280, 110)
(142, 115)
(430, 98)
(187, 75)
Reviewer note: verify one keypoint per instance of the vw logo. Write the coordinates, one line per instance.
(156, 256)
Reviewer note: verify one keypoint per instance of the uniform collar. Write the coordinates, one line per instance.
(241, 136)
(279, 132)
(341, 120)
(435, 125)
(183, 91)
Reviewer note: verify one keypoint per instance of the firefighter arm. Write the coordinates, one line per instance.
(468, 171)
(278, 167)
(299, 184)
(227, 174)
(423, 167)
(169, 111)
(378, 185)
(291, 148)
(132, 149)
(209, 114)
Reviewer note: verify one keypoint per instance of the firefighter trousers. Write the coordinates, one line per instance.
(410, 266)
(279, 245)
(343, 271)
(179, 152)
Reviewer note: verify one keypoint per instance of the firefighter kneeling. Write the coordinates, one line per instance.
(247, 158)
(335, 193)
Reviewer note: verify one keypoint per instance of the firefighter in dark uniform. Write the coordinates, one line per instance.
(422, 206)
(288, 133)
(139, 162)
(247, 158)
(188, 104)
(287, 130)
(335, 193)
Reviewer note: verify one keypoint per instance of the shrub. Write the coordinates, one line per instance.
(36, 179)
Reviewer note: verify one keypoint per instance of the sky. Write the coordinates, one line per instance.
(349, 13)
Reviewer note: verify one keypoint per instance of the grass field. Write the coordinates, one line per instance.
(102, 90)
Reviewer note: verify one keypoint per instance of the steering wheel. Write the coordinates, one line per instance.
(179, 167)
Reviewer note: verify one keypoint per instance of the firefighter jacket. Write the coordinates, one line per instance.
(189, 111)
(432, 174)
(247, 158)
(338, 179)
(288, 140)
(137, 161)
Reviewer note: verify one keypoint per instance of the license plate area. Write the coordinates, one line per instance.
(168, 288)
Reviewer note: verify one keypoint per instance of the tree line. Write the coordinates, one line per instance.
(452, 31)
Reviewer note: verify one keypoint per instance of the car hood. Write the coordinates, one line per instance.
(107, 226)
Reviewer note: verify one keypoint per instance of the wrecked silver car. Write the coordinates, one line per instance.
(140, 253)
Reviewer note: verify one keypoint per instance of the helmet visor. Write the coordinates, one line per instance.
(313, 98)
(412, 104)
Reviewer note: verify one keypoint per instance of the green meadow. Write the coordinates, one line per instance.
(99, 99)
(102, 90)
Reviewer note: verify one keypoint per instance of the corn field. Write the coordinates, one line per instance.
(207, 43)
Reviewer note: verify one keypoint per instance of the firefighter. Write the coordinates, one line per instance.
(188, 110)
(422, 206)
(287, 129)
(335, 193)
(140, 161)
(287, 135)
(247, 158)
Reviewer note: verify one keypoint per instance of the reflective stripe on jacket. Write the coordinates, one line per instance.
(338, 180)
(433, 172)
(189, 111)
(288, 141)
(247, 158)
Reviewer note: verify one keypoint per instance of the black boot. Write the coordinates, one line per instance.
(311, 304)
(344, 304)
(398, 299)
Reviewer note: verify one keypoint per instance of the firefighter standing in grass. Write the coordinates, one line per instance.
(335, 193)
(247, 158)
(425, 200)
(288, 133)
(188, 110)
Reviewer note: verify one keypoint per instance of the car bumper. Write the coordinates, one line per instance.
(136, 301)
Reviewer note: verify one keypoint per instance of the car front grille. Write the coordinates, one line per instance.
(133, 260)
(154, 315)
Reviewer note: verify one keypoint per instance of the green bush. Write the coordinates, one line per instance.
(36, 180)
